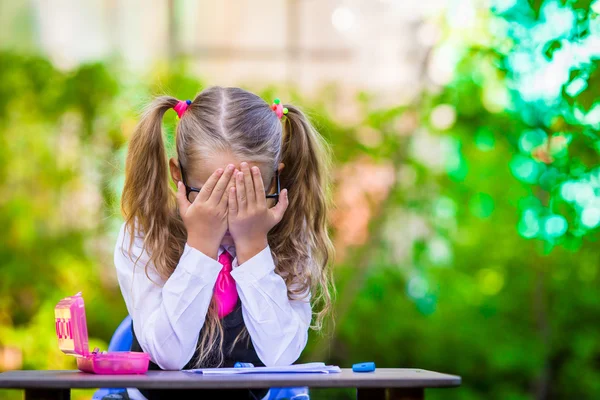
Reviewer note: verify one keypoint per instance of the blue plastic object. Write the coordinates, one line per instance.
(364, 367)
(122, 339)
(291, 393)
(243, 365)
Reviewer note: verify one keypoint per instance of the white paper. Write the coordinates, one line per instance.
(308, 368)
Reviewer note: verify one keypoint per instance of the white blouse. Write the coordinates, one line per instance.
(168, 315)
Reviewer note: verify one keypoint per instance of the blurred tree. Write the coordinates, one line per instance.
(505, 150)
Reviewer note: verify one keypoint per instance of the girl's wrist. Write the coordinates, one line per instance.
(247, 248)
(204, 247)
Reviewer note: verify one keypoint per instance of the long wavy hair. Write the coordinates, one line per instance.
(232, 119)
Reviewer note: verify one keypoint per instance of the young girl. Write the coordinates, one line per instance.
(225, 268)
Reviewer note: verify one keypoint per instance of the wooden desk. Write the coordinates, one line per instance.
(384, 383)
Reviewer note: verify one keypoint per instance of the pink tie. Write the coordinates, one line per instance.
(225, 292)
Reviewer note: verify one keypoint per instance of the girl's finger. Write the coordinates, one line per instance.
(225, 197)
(232, 202)
(221, 187)
(250, 195)
(182, 200)
(259, 188)
(240, 191)
(209, 185)
(281, 206)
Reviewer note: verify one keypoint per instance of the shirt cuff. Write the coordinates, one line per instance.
(255, 268)
(197, 263)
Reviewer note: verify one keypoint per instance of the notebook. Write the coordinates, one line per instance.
(308, 368)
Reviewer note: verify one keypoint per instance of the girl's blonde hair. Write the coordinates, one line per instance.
(232, 119)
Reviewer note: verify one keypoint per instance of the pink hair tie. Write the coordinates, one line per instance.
(181, 107)
(279, 109)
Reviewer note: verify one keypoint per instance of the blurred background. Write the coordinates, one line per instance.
(467, 177)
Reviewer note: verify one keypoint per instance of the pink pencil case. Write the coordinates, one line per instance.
(71, 330)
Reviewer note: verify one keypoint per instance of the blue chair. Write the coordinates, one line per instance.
(122, 339)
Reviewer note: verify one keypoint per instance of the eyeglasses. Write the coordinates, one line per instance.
(191, 192)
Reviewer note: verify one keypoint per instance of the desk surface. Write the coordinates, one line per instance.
(381, 378)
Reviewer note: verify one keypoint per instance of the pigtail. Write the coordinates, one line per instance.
(301, 240)
(148, 204)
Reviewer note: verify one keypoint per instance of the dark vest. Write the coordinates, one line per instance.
(243, 351)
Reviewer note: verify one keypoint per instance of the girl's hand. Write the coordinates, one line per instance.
(206, 218)
(249, 218)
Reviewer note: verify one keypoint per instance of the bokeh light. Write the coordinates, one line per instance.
(555, 226)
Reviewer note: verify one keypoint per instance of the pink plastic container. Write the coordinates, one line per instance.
(71, 330)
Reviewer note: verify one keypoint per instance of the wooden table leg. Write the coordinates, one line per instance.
(47, 394)
(390, 394)
(370, 394)
(406, 394)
